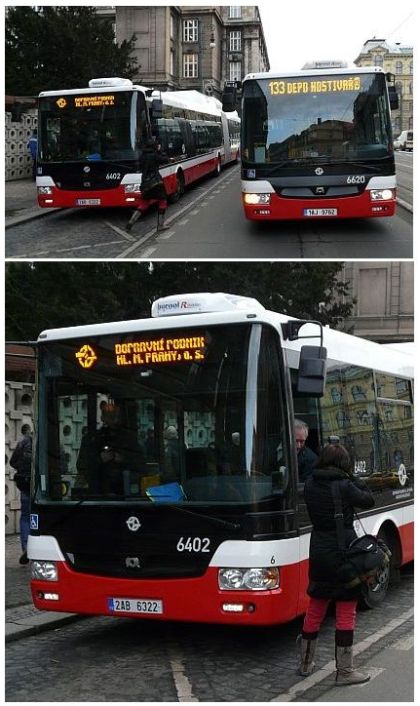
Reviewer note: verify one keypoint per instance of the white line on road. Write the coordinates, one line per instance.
(187, 207)
(120, 231)
(328, 669)
(182, 684)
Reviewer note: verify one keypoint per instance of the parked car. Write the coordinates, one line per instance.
(404, 141)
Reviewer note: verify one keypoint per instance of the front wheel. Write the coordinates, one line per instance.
(179, 189)
(374, 594)
(218, 168)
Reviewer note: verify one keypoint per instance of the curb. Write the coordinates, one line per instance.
(405, 204)
(37, 623)
(30, 215)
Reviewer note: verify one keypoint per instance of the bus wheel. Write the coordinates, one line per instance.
(218, 167)
(180, 188)
(374, 594)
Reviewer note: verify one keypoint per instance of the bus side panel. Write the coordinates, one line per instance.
(407, 543)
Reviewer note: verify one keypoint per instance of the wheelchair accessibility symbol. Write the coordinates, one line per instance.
(34, 522)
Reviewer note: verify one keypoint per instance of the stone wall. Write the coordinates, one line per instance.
(19, 404)
(17, 158)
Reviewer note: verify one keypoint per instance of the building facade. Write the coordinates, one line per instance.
(398, 60)
(195, 47)
(384, 295)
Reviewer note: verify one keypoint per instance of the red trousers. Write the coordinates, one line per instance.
(345, 614)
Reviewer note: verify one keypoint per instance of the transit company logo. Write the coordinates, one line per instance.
(61, 102)
(86, 356)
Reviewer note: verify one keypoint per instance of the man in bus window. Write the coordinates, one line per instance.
(108, 451)
(306, 457)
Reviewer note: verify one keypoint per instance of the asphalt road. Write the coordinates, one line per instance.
(113, 659)
(208, 222)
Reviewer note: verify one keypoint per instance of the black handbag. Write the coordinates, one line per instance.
(365, 557)
(149, 186)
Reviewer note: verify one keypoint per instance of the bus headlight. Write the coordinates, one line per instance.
(45, 190)
(44, 570)
(249, 579)
(256, 199)
(382, 194)
(132, 188)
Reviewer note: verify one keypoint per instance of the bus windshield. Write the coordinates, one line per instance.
(287, 121)
(181, 416)
(80, 127)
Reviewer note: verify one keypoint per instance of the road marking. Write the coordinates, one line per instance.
(182, 684)
(405, 643)
(329, 668)
(165, 236)
(169, 221)
(148, 252)
(120, 231)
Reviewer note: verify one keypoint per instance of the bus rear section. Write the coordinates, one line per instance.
(317, 144)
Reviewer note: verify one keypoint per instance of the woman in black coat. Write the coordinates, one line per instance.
(152, 185)
(325, 560)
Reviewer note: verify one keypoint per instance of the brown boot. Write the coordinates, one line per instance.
(161, 222)
(346, 674)
(134, 218)
(306, 655)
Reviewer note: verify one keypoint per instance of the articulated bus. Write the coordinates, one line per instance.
(317, 144)
(90, 142)
(166, 478)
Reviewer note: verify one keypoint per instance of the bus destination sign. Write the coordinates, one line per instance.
(331, 85)
(160, 351)
(87, 101)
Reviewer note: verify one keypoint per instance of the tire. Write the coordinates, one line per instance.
(373, 596)
(218, 168)
(180, 188)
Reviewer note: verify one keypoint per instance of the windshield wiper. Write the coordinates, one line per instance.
(210, 518)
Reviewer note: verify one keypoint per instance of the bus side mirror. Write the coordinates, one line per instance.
(394, 100)
(157, 108)
(312, 371)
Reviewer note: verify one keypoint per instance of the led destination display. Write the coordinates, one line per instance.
(160, 350)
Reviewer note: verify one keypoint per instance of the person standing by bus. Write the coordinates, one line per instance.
(21, 460)
(325, 559)
(306, 457)
(32, 147)
(152, 185)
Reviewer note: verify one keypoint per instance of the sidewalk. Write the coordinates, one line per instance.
(22, 618)
(21, 204)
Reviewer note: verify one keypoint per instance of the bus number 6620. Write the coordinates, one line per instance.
(193, 544)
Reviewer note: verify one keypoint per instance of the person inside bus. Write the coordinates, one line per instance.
(305, 456)
(108, 451)
(152, 184)
(325, 559)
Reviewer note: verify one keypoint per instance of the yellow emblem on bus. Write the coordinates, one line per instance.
(86, 356)
(61, 102)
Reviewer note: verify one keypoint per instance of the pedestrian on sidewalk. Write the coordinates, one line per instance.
(21, 460)
(152, 185)
(32, 146)
(325, 559)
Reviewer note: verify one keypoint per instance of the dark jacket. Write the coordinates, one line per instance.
(325, 557)
(306, 463)
(150, 161)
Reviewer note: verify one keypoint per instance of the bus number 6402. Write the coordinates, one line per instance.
(193, 544)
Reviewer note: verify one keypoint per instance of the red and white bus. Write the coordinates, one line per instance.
(318, 144)
(188, 506)
(90, 142)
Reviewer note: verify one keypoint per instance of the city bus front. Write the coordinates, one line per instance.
(165, 484)
(317, 145)
(89, 142)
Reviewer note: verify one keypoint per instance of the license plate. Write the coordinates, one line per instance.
(320, 212)
(88, 202)
(135, 605)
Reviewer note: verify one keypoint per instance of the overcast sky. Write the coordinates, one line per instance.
(302, 30)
